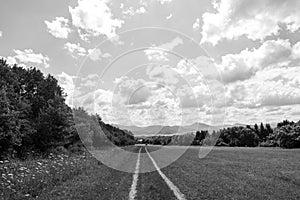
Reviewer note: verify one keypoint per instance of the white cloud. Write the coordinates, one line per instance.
(90, 82)
(162, 107)
(84, 91)
(254, 19)
(163, 2)
(134, 101)
(131, 11)
(162, 74)
(296, 51)
(270, 87)
(94, 18)
(75, 50)
(67, 83)
(187, 97)
(158, 53)
(28, 56)
(185, 68)
(141, 10)
(96, 54)
(196, 25)
(9, 60)
(1, 33)
(171, 45)
(59, 27)
(131, 91)
(271, 54)
(103, 97)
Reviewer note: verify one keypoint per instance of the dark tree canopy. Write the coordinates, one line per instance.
(34, 115)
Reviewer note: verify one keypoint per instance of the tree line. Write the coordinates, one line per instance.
(286, 135)
(35, 118)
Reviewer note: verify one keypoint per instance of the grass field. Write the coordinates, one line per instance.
(225, 173)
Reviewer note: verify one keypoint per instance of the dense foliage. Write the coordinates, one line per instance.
(94, 133)
(35, 117)
(286, 135)
(33, 113)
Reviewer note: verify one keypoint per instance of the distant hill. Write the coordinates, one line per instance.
(170, 130)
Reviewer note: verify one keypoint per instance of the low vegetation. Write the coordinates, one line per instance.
(28, 179)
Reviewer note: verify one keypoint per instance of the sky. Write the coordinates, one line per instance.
(166, 62)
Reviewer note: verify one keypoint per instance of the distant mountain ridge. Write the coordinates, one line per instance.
(171, 130)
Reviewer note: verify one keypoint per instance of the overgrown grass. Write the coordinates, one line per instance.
(27, 179)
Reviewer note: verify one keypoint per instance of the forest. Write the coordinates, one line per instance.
(34, 118)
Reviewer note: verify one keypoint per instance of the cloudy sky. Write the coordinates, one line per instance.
(166, 62)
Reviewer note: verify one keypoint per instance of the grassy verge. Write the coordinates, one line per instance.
(27, 179)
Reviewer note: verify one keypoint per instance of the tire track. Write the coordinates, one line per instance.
(176, 191)
(133, 191)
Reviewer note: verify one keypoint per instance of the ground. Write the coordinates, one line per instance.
(225, 173)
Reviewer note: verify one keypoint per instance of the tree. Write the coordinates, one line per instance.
(248, 138)
(256, 128)
(288, 135)
(9, 130)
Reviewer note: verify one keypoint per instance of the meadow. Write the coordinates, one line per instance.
(225, 173)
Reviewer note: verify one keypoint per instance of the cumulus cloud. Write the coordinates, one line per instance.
(162, 74)
(94, 18)
(66, 81)
(59, 27)
(162, 107)
(75, 50)
(131, 91)
(131, 11)
(196, 25)
(255, 19)
(28, 56)
(187, 97)
(296, 51)
(195, 70)
(90, 82)
(96, 54)
(103, 97)
(158, 53)
(270, 87)
(271, 54)
(83, 91)
(10, 60)
(163, 2)
(184, 67)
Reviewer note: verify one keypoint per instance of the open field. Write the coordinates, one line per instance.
(225, 173)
